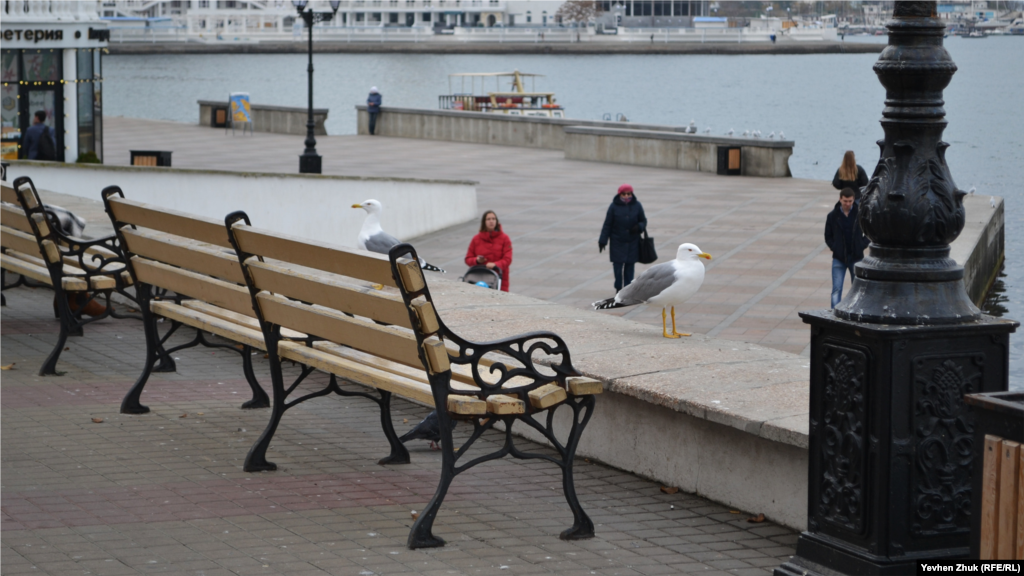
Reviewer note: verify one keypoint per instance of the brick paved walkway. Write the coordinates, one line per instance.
(164, 493)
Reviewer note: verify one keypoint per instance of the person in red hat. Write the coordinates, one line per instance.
(623, 225)
(491, 247)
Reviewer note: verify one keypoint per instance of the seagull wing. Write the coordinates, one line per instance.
(652, 282)
(381, 242)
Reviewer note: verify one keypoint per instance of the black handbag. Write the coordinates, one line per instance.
(647, 252)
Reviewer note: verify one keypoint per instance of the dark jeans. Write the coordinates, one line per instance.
(373, 122)
(838, 275)
(623, 269)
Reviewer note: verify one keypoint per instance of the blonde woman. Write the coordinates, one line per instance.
(850, 175)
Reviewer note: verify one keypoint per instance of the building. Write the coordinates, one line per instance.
(52, 61)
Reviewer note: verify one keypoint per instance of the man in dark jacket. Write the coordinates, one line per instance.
(373, 103)
(846, 240)
(35, 133)
(623, 225)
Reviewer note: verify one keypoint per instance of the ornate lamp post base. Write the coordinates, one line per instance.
(310, 163)
(891, 441)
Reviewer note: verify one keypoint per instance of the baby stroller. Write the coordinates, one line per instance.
(483, 276)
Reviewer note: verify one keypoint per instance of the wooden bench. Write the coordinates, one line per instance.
(79, 270)
(191, 257)
(391, 339)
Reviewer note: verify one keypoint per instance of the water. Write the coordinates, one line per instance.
(827, 103)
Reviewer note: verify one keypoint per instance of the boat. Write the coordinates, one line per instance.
(976, 34)
(514, 102)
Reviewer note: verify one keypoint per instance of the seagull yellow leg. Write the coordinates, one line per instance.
(377, 286)
(674, 333)
(664, 326)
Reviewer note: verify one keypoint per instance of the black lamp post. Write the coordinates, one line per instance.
(891, 446)
(309, 161)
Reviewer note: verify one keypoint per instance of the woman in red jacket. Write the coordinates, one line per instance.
(491, 247)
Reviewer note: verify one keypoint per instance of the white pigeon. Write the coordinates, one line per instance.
(992, 201)
(782, 135)
(664, 285)
(772, 136)
(373, 238)
(971, 191)
(730, 132)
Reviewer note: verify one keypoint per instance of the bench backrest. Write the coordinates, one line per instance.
(186, 254)
(312, 288)
(15, 229)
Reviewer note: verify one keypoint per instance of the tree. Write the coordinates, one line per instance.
(581, 11)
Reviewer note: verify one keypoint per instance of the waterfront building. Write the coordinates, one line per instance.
(52, 61)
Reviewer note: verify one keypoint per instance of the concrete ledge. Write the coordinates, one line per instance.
(715, 417)
(274, 119)
(665, 149)
(308, 205)
(980, 247)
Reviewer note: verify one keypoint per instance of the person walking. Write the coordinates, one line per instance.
(846, 240)
(40, 140)
(623, 225)
(850, 175)
(373, 108)
(491, 247)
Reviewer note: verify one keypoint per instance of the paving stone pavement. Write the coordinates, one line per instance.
(164, 493)
(766, 234)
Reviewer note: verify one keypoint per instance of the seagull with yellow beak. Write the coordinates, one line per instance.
(664, 285)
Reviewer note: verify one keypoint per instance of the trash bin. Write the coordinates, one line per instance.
(996, 492)
(151, 158)
(219, 116)
(729, 160)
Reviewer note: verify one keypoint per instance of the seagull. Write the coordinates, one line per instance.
(771, 136)
(746, 133)
(692, 128)
(664, 285)
(428, 429)
(730, 132)
(782, 135)
(375, 239)
(971, 191)
(992, 201)
(707, 130)
(756, 133)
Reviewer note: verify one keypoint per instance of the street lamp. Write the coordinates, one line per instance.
(309, 161)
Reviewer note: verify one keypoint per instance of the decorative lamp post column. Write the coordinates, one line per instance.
(310, 161)
(891, 439)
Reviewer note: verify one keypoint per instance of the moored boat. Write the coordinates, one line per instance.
(516, 102)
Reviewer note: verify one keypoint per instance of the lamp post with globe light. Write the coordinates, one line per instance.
(310, 161)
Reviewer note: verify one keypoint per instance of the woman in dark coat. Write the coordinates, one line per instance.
(850, 175)
(623, 225)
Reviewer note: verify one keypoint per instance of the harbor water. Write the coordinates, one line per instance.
(826, 103)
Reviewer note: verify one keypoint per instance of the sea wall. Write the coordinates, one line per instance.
(597, 141)
(307, 205)
(267, 118)
(980, 247)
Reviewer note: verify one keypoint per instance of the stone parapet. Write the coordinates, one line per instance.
(267, 118)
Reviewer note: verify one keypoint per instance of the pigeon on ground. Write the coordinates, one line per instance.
(428, 429)
(375, 239)
(665, 285)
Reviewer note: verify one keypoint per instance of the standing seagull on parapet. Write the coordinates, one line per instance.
(665, 285)
(373, 238)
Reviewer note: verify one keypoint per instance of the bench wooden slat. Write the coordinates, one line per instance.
(207, 323)
(580, 386)
(502, 404)
(177, 223)
(462, 380)
(382, 341)
(373, 376)
(359, 264)
(1008, 494)
(330, 292)
(14, 217)
(188, 283)
(200, 258)
(18, 240)
(7, 194)
(547, 396)
(26, 268)
(251, 322)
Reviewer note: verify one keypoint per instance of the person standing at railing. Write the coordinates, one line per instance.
(373, 103)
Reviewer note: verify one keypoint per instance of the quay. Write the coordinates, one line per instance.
(706, 409)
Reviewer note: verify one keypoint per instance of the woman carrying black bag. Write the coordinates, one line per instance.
(623, 226)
